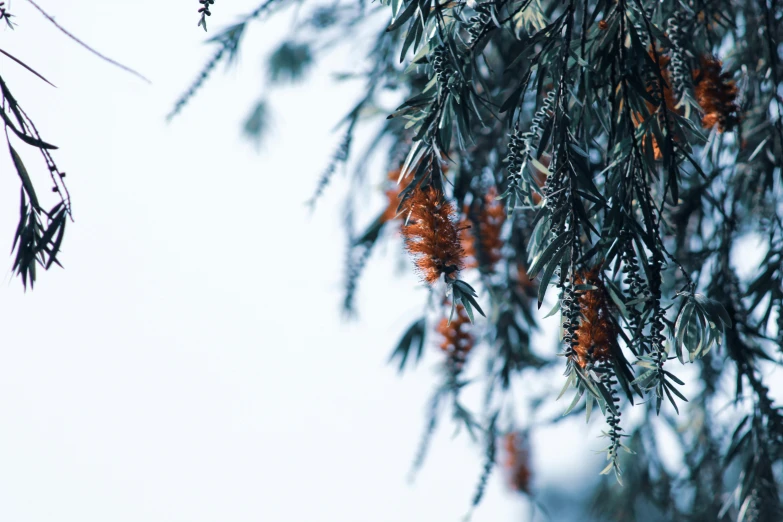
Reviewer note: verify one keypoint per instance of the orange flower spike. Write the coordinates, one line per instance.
(456, 339)
(490, 223)
(517, 462)
(492, 218)
(716, 94)
(467, 239)
(510, 445)
(432, 237)
(595, 334)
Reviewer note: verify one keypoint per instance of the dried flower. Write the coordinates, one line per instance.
(491, 217)
(596, 333)
(456, 339)
(517, 463)
(431, 235)
(716, 94)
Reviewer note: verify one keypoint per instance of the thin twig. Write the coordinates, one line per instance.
(93, 51)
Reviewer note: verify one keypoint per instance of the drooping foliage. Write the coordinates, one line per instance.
(636, 150)
(40, 232)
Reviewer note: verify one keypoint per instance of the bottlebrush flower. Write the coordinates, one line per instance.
(431, 235)
(456, 339)
(596, 333)
(491, 217)
(716, 94)
(392, 189)
(517, 462)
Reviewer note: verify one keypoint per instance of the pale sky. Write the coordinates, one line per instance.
(190, 363)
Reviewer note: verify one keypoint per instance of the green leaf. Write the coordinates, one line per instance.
(715, 310)
(673, 377)
(588, 408)
(465, 293)
(407, 13)
(412, 36)
(680, 327)
(574, 402)
(35, 142)
(413, 336)
(671, 399)
(566, 385)
(25, 177)
(643, 377)
(547, 254)
(554, 310)
(549, 271)
(674, 390)
(57, 243)
(20, 62)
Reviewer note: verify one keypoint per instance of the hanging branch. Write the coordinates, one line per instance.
(633, 145)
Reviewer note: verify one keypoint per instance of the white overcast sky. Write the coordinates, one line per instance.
(190, 363)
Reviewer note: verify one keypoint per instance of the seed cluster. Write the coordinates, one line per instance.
(478, 22)
(448, 78)
(204, 11)
(521, 145)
